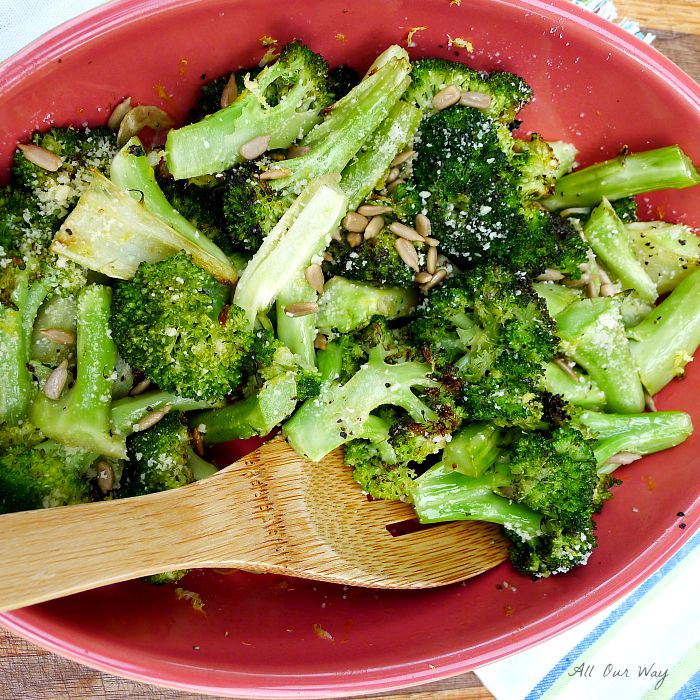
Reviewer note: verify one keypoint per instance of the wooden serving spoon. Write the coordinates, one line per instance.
(270, 512)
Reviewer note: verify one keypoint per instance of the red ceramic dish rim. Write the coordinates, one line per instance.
(91, 26)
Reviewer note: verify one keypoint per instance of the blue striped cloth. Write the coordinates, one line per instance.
(645, 647)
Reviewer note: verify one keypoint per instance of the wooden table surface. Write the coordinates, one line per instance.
(30, 673)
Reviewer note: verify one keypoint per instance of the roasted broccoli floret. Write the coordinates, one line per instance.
(341, 80)
(627, 175)
(174, 322)
(490, 325)
(43, 475)
(283, 101)
(475, 183)
(542, 487)
(502, 94)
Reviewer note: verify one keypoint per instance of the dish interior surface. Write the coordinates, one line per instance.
(271, 636)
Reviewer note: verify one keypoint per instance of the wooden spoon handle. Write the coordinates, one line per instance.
(50, 553)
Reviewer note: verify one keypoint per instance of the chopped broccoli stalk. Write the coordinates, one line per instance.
(443, 493)
(543, 490)
(346, 305)
(508, 92)
(592, 334)
(565, 153)
(201, 469)
(605, 233)
(16, 322)
(81, 416)
(473, 449)
(173, 321)
(297, 332)
(371, 164)
(43, 475)
(669, 252)
(583, 392)
(666, 340)
(167, 578)
(340, 412)
(108, 219)
(624, 176)
(556, 296)
(132, 172)
(300, 236)
(335, 141)
(283, 101)
(637, 433)
(254, 415)
(130, 410)
(57, 313)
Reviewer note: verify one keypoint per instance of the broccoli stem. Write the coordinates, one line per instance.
(666, 340)
(346, 305)
(391, 137)
(443, 493)
(340, 412)
(556, 296)
(131, 171)
(81, 417)
(111, 233)
(350, 123)
(127, 412)
(473, 449)
(640, 433)
(581, 392)
(592, 334)
(299, 237)
(297, 332)
(201, 469)
(624, 176)
(16, 383)
(254, 415)
(606, 235)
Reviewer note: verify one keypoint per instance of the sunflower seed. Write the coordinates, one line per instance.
(118, 113)
(591, 290)
(432, 242)
(198, 441)
(314, 276)
(435, 280)
(45, 159)
(407, 253)
(58, 336)
(336, 235)
(255, 147)
(230, 92)
(140, 387)
(274, 173)
(566, 368)
(393, 185)
(550, 275)
(354, 239)
(375, 225)
(431, 260)
(410, 234)
(321, 342)
(607, 290)
(393, 175)
(402, 158)
(423, 225)
(355, 222)
(446, 97)
(105, 476)
(296, 151)
(303, 308)
(422, 277)
(141, 116)
(480, 100)
(150, 419)
(373, 209)
(53, 388)
(649, 402)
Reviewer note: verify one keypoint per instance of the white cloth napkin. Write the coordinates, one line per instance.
(647, 647)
